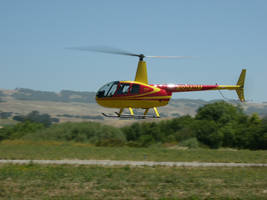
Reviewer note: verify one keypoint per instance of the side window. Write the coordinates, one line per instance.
(124, 87)
(135, 89)
(112, 90)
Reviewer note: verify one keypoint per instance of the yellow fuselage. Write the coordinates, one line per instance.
(147, 97)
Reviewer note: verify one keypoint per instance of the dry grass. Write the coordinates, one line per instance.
(83, 182)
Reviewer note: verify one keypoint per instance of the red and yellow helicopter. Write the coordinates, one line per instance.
(140, 94)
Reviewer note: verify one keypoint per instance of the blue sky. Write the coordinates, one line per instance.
(222, 36)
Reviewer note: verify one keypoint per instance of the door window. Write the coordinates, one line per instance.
(135, 89)
(112, 90)
(123, 89)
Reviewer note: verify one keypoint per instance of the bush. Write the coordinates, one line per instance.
(91, 132)
(5, 115)
(165, 131)
(35, 116)
(133, 132)
(19, 130)
(215, 125)
(207, 132)
(191, 143)
(111, 142)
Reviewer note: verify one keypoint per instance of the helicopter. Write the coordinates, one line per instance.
(139, 94)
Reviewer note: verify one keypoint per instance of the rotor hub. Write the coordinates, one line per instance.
(141, 57)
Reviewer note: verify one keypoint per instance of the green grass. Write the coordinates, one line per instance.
(91, 182)
(20, 149)
(7, 122)
(33, 181)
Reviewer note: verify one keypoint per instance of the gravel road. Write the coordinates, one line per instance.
(132, 163)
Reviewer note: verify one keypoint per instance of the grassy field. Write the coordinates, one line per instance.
(91, 182)
(20, 149)
(33, 181)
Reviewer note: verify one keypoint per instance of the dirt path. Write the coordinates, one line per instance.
(133, 163)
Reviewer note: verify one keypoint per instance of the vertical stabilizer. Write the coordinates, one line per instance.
(241, 83)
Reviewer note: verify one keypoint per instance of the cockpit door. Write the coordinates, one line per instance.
(123, 89)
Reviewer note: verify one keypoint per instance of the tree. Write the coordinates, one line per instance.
(208, 133)
(220, 112)
(132, 132)
(35, 116)
(177, 129)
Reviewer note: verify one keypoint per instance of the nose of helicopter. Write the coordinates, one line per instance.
(99, 98)
(106, 90)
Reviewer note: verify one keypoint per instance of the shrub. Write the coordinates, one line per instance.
(92, 132)
(35, 116)
(191, 143)
(207, 132)
(19, 130)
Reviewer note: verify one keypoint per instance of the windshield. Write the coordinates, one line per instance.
(107, 90)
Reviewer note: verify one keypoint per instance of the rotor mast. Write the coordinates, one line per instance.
(141, 72)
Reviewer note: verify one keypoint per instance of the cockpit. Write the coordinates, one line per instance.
(117, 88)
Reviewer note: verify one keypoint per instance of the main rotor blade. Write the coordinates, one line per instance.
(111, 50)
(104, 49)
(168, 57)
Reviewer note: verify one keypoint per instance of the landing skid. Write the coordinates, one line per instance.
(128, 116)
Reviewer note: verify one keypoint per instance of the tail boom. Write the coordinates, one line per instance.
(239, 87)
(190, 88)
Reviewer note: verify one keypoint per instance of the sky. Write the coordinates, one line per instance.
(222, 38)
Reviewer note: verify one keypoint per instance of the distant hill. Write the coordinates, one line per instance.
(62, 96)
(76, 106)
(191, 104)
(2, 94)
